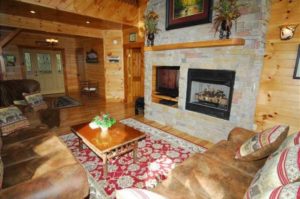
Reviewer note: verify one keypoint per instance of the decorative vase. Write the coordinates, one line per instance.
(150, 39)
(225, 29)
(104, 131)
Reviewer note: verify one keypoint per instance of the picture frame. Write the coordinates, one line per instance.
(179, 15)
(92, 57)
(132, 37)
(9, 60)
(297, 65)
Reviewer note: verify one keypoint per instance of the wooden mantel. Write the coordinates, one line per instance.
(198, 44)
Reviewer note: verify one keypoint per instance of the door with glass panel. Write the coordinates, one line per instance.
(45, 66)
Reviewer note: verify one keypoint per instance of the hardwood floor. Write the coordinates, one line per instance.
(94, 105)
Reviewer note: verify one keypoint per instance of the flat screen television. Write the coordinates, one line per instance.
(167, 79)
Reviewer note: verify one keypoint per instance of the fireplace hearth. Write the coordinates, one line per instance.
(210, 92)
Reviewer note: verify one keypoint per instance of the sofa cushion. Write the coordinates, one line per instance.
(279, 170)
(11, 119)
(36, 101)
(201, 177)
(134, 193)
(40, 156)
(262, 144)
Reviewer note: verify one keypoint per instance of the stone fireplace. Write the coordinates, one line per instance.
(236, 99)
(210, 92)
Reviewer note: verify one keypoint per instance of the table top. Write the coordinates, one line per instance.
(117, 135)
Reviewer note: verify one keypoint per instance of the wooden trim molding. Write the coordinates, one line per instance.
(198, 44)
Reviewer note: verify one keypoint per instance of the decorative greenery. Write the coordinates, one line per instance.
(151, 21)
(105, 121)
(226, 10)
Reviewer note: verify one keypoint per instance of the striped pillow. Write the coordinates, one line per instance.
(11, 119)
(280, 170)
(289, 191)
(134, 193)
(291, 140)
(35, 100)
(262, 144)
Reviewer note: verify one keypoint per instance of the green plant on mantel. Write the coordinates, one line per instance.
(151, 21)
(105, 121)
(226, 12)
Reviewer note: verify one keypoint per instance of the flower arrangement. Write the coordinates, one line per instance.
(226, 12)
(105, 121)
(151, 21)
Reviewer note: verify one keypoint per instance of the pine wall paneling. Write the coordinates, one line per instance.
(279, 95)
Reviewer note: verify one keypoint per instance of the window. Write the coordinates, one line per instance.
(27, 62)
(58, 63)
(44, 62)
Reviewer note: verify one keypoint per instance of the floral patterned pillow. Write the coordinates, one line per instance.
(36, 101)
(280, 170)
(11, 119)
(289, 191)
(262, 144)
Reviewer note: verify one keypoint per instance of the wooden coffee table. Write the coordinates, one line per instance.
(118, 140)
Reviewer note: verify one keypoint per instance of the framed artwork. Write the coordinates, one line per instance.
(182, 13)
(297, 66)
(92, 57)
(132, 37)
(10, 60)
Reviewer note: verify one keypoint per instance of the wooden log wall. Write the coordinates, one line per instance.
(279, 95)
(94, 71)
(114, 72)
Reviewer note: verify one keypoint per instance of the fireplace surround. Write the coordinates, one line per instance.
(210, 92)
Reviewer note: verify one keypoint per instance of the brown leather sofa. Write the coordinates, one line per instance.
(12, 90)
(37, 164)
(214, 174)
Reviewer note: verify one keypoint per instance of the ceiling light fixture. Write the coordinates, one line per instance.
(87, 22)
(32, 12)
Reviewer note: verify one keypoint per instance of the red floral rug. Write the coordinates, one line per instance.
(157, 156)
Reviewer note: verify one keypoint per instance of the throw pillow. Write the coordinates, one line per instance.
(36, 101)
(277, 171)
(11, 119)
(262, 144)
(134, 193)
(289, 191)
(291, 140)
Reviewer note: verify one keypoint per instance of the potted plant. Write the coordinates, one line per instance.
(226, 12)
(151, 21)
(104, 122)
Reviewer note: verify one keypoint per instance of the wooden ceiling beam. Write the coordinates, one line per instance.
(48, 26)
(110, 10)
(10, 36)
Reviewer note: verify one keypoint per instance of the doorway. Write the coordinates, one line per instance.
(134, 73)
(46, 67)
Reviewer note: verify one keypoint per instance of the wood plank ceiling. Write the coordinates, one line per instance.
(62, 15)
(118, 11)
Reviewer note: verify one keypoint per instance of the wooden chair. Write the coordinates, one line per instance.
(89, 87)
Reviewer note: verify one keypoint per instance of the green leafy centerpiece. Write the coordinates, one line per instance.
(104, 122)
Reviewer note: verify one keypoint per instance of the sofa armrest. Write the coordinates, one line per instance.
(240, 135)
(67, 182)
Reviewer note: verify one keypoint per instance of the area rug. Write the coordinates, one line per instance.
(157, 155)
(65, 102)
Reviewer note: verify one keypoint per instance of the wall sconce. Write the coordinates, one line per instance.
(287, 31)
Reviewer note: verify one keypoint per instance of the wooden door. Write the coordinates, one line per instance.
(134, 74)
(46, 67)
(80, 64)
